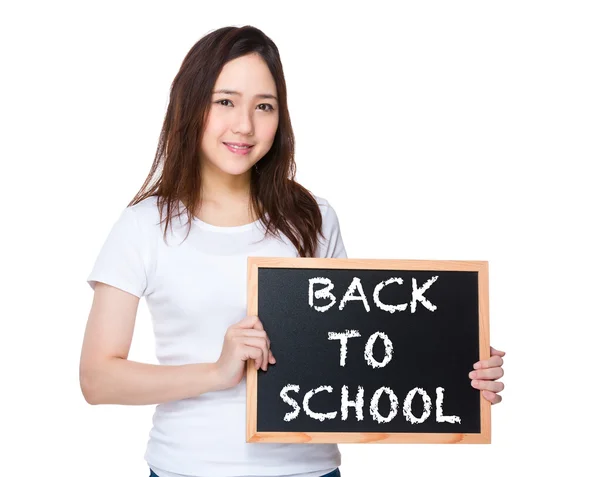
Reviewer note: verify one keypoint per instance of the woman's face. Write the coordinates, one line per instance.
(244, 112)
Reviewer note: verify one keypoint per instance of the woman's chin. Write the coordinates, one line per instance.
(234, 169)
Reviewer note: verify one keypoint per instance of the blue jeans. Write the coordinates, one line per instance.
(335, 473)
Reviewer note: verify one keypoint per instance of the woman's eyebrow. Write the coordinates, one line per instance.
(229, 91)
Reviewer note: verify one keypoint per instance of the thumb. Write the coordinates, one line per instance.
(248, 322)
(496, 352)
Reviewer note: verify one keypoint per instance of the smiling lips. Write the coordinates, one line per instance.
(238, 147)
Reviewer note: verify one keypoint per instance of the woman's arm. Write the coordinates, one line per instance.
(106, 375)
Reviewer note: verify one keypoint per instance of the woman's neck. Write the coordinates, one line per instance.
(225, 199)
(219, 186)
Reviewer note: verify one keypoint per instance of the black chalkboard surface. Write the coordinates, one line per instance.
(369, 350)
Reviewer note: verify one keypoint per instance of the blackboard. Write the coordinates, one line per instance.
(369, 350)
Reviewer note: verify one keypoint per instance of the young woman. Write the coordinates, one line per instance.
(221, 188)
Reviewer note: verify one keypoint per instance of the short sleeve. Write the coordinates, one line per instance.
(120, 262)
(333, 245)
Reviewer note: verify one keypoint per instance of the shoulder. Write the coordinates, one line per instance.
(141, 221)
(333, 244)
(322, 202)
(134, 223)
(154, 227)
(145, 210)
(328, 213)
(146, 214)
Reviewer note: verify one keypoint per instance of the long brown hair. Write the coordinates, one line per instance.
(277, 199)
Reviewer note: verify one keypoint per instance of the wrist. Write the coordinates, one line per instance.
(212, 375)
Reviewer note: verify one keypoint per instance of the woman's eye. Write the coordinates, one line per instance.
(267, 107)
(263, 107)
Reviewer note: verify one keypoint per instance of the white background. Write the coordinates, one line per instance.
(437, 130)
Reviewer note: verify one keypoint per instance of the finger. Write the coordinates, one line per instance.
(248, 322)
(496, 352)
(492, 397)
(265, 359)
(250, 352)
(252, 333)
(272, 359)
(493, 386)
(493, 362)
(490, 373)
(260, 344)
(258, 324)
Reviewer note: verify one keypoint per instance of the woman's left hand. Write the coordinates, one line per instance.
(485, 376)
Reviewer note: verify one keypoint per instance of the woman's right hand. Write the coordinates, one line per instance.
(244, 340)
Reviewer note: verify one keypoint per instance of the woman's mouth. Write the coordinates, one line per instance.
(238, 148)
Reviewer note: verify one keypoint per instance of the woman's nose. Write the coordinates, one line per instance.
(243, 123)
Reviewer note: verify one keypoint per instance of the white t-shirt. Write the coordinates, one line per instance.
(194, 291)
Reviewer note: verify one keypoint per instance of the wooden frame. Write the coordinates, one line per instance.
(254, 263)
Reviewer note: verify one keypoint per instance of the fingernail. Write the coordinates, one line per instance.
(472, 374)
(477, 365)
(474, 383)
